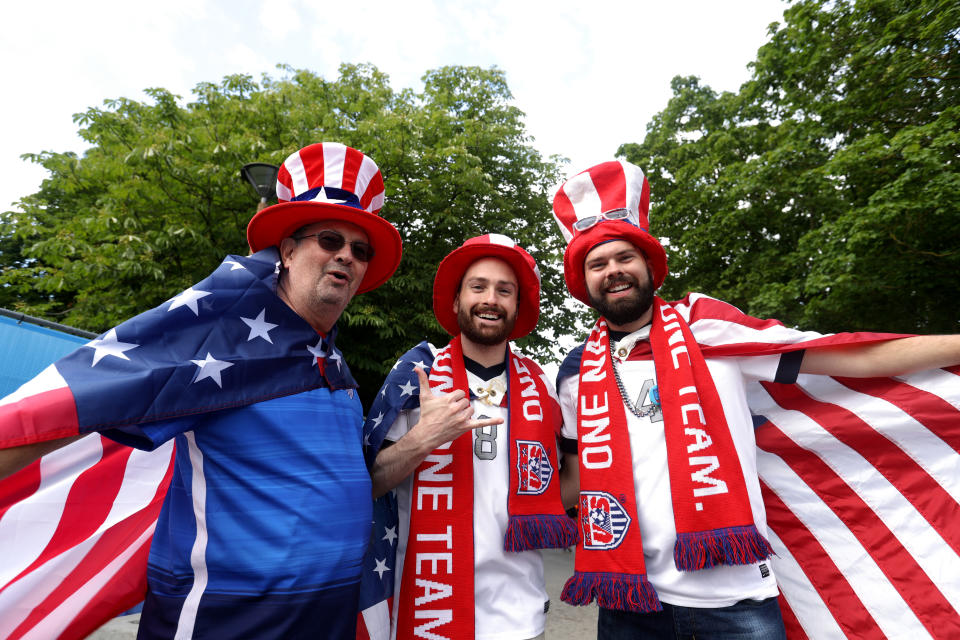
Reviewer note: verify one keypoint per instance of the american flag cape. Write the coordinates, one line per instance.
(400, 391)
(860, 481)
(75, 526)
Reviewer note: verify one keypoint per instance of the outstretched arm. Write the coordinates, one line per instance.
(890, 358)
(443, 418)
(16, 458)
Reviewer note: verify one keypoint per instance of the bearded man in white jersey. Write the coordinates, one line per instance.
(474, 457)
(673, 528)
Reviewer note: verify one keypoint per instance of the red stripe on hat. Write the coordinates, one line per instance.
(351, 167)
(933, 412)
(644, 204)
(313, 166)
(934, 503)
(831, 585)
(563, 211)
(611, 186)
(283, 177)
(896, 563)
(374, 188)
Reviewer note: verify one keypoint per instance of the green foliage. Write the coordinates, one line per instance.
(826, 192)
(156, 202)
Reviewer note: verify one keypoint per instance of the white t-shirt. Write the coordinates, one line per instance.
(719, 586)
(508, 586)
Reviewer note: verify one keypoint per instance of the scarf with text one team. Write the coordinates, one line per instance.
(713, 519)
(439, 557)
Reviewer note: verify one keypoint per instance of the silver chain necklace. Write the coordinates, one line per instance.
(638, 411)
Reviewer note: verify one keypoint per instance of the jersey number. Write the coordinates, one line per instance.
(485, 444)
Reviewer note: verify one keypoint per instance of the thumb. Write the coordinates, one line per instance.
(424, 383)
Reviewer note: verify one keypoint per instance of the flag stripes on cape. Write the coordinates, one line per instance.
(860, 482)
(76, 528)
(859, 478)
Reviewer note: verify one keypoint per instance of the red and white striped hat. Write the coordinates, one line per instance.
(446, 284)
(331, 181)
(609, 201)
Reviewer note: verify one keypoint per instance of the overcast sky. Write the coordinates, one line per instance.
(588, 75)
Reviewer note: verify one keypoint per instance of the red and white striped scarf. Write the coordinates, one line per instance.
(711, 507)
(436, 596)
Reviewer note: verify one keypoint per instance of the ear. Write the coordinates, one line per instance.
(456, 304)
(287, 245)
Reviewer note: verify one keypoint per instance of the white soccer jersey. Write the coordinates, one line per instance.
(718, 586)
(508, 586)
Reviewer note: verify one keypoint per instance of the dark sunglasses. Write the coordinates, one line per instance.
(332, 241)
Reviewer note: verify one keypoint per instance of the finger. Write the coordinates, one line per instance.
(486, 422)
(424, 383)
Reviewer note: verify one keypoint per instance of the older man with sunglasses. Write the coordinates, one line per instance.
(266, 520)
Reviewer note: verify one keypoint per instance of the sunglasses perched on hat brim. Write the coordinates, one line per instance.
(333, 241)
(614, 214)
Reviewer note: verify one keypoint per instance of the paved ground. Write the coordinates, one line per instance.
(563, 621)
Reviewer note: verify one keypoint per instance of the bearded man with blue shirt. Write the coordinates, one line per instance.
(267, 517)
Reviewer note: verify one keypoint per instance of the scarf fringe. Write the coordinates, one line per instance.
(730, 546)
(620, 591)
(539, 532)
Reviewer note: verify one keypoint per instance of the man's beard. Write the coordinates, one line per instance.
(623, 311)
(487, 336)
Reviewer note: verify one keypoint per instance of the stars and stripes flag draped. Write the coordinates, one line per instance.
(860, 483)
(75, 527)
(401, 390)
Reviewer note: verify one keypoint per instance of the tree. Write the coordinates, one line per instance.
(826, 192)
(155, 203)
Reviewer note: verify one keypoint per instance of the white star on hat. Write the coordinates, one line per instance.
(109, 346)
(210, 367)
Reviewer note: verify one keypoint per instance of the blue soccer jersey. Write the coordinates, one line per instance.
(265, 523)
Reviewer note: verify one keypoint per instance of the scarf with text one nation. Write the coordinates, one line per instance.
(712, 514)
(439, 557)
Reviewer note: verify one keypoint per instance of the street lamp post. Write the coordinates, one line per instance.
(263, 177)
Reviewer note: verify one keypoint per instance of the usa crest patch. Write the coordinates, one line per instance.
(533, 467)
(603, 520)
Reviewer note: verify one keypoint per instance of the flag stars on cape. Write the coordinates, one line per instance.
(188, 299)
(334, 356)
(210, 367)
(317, 351)
(234, 265)
(109, 345)
(407, 389)
(390, 534)
(259, 327)
(381, 567)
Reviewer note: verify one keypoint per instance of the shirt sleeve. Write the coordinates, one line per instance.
(405, 420)
(567, 392)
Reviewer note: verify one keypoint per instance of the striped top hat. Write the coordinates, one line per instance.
(330, 181)
(446, 284)
(609, 201)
